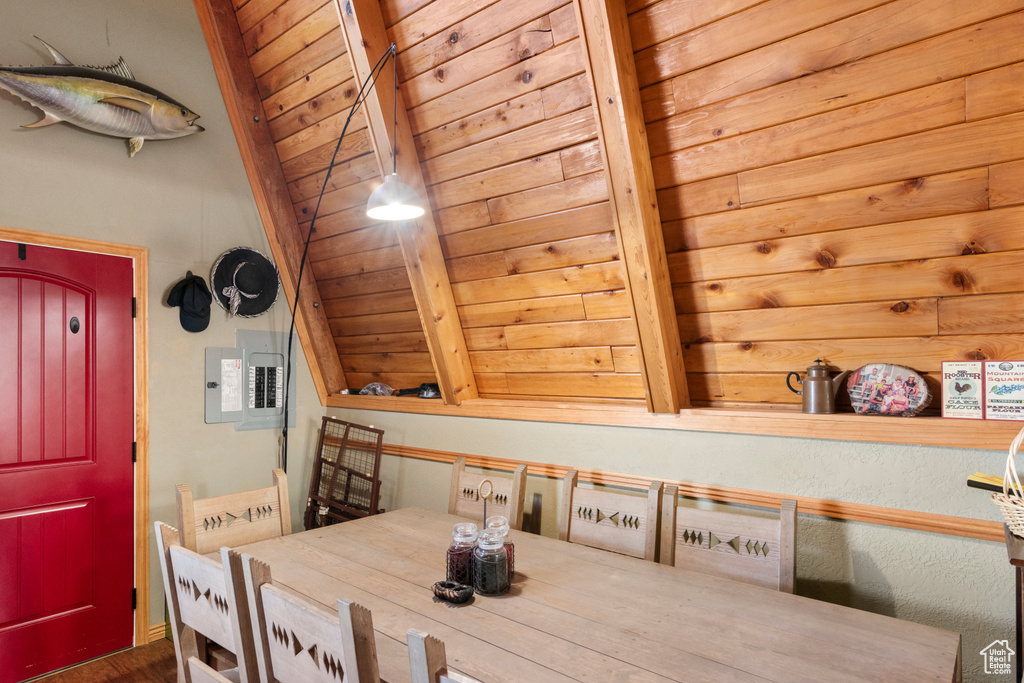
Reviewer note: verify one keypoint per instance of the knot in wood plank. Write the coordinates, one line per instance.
(825, 258)
(912, 185)
(961, 280)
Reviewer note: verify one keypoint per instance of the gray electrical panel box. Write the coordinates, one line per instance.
(245, 385)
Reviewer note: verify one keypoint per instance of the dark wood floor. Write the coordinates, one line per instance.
(153, 663)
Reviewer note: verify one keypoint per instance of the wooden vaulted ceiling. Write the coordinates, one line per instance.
(515, 284)
(637, 202)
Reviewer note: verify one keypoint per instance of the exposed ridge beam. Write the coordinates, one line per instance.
(269, 189)
(604, 30)
(366, 38)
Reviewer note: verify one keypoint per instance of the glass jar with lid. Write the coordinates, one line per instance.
(460, 553)
(490, 564)
(500, 524)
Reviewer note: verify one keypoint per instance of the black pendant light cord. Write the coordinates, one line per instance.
(394, 119)
(368, 84)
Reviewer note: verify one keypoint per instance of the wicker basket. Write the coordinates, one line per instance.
(1011, 500)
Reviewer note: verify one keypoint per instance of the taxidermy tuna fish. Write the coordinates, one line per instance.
(104, 99)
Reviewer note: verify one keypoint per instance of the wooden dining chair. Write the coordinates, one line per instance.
(205, 598)
(618, 522)
(234, 519)
(201, 673)
(298, 641)
(506, 498)
(756, 550)
(428, 662)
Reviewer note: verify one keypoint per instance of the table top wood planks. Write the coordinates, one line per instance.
(581, 614)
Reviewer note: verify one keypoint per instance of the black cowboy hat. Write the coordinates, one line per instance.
(245, 282)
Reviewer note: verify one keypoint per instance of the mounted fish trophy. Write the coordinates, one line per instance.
(105, 100)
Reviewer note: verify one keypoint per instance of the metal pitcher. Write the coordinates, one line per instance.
(819, 388)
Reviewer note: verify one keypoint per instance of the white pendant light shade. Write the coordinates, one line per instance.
(394, 201)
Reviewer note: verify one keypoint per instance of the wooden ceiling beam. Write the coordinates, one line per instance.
(604, 29)
(366, 38)
(269, 189)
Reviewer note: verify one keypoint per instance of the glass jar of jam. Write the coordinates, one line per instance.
(500, 524)
(490, 564)
(460, 554)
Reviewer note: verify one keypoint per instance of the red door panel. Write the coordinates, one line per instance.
(10, 376)
(66, 476)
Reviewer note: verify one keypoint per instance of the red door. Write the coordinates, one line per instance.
(66, 474)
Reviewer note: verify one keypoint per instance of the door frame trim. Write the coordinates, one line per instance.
(140, 259)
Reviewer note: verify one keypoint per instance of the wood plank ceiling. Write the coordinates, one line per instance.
(756, 184)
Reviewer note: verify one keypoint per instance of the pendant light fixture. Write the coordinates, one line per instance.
(394, 200)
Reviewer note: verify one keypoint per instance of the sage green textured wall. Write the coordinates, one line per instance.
(187, 200)
(963, 585)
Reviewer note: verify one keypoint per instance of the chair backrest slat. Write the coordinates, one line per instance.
(205, 598)
(428, 662)
(299, 641)
(304, 640)
(234, 519)
(202, 595)
(608, 520)
(201, 673)
(742, 547)
(507, 497)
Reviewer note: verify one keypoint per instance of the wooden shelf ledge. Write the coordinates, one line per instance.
(925, 431)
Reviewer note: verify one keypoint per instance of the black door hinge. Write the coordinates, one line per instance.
(135, 451)
(135, 597)
(21, 252)
(133, 306)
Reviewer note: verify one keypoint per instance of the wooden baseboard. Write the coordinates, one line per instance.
(156, 632)
(857, 512)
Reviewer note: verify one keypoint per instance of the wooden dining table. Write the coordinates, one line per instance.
(581, 614)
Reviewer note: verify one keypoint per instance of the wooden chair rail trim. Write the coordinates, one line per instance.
(856, 512)
(923, 431)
